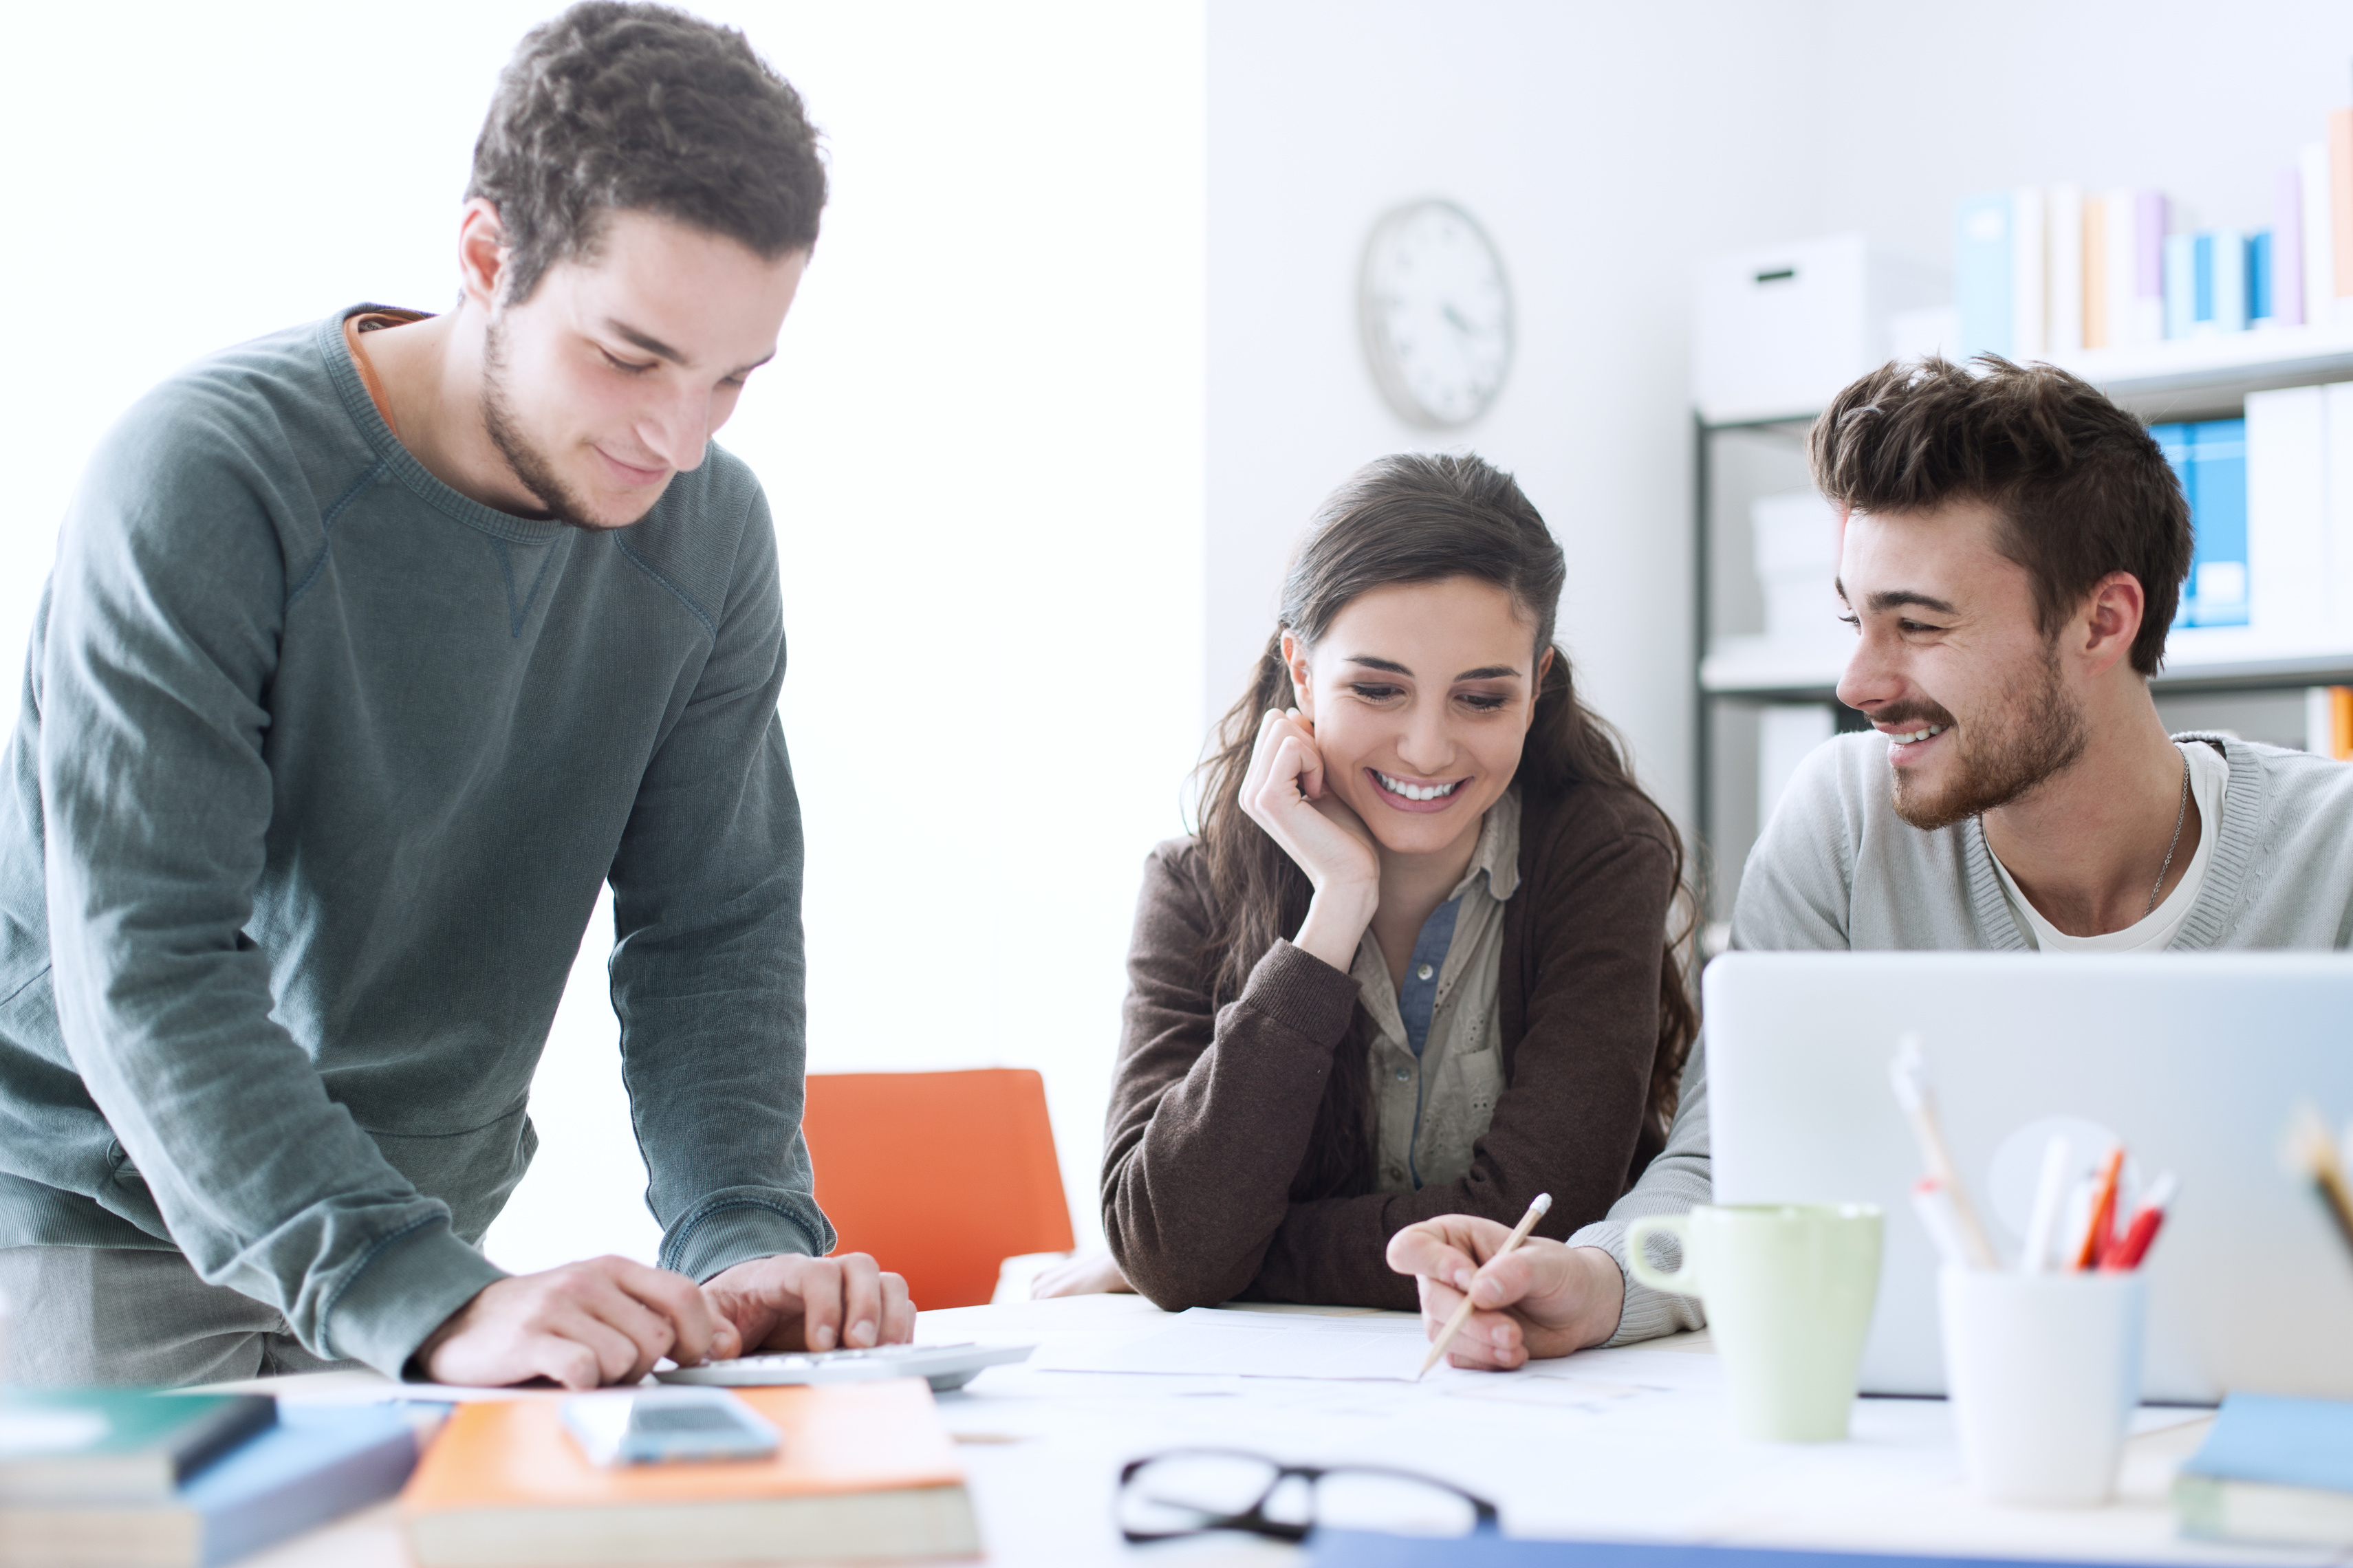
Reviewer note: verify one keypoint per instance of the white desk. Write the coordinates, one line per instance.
(1563, 1456)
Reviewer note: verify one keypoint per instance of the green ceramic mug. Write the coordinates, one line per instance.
(1790, 1288)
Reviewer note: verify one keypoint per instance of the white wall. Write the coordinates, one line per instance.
(981, 440)
(1602, 147)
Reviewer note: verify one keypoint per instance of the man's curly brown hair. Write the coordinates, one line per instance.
(634, 107)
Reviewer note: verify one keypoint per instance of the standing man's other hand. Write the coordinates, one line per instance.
(1544, 1300)
(604, 1321)
(792, 1303)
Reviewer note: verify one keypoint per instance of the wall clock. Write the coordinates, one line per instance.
(1436, 311)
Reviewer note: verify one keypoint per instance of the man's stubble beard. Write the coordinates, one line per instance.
(2036, 734)
(529, 463)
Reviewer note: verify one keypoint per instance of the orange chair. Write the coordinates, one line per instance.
(941, 1175)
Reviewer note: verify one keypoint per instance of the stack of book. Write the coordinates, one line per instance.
(2043, 270)
(123, 1478)
(2275, 1470)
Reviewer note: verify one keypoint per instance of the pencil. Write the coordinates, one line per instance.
(2313, 1147)
(1463, 1313)
(1908, 1072)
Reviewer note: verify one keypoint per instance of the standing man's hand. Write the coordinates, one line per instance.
(604, 1321)
(790, 1303)
(1544, 1300)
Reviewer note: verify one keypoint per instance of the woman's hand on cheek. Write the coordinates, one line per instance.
(1285, 793)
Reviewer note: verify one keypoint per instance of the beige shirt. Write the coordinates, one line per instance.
(1432, 1109)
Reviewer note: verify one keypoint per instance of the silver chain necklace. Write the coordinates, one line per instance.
(2180, 816)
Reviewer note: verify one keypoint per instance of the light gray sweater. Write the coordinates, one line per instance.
(1837, 869)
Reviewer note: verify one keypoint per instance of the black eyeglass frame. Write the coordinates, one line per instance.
(1485, 1519)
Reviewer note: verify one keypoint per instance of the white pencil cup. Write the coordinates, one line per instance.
(2045, 1372)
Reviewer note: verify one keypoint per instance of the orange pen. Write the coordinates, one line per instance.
(2100, 1233)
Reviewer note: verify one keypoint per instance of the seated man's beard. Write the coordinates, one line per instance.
(2036, 731)
(529, 463)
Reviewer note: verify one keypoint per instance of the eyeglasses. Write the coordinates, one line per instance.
(1189, 1490)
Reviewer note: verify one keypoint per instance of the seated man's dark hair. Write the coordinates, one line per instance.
(634, 107)
(2080, 485)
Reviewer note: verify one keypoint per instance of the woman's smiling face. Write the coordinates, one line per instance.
(1421, 694)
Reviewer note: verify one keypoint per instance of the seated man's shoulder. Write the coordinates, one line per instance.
(2296, 784)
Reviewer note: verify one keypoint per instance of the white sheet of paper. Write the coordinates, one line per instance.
(1211, 1341)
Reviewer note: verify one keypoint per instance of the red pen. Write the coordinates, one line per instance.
(2126, 1254)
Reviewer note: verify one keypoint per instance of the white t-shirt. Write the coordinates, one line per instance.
(2210, 777)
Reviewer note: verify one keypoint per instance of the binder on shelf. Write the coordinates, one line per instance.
(2288, 573)
(2340, 210)
(2218, 586)
(2318, 227)
(2180, 285)
(2286, 271)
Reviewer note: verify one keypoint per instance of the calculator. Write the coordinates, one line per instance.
(942, 1366)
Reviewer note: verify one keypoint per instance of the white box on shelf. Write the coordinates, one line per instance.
(2287, 517)
(2336, 460)
(1786, 733)
(1794, 543)
(1778, 330)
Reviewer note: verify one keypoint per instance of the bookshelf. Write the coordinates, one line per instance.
(2228, 677)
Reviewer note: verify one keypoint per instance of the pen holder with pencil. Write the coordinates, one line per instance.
(2043, 1372)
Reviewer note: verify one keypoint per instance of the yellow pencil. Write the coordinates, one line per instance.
(1463, 1313)
(2313, 1147)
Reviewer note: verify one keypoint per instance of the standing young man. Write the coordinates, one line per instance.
(372, 650)
(2015, 548)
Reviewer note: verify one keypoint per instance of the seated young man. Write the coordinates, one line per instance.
(2015, 547)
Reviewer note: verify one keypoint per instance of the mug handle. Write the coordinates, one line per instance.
(1684, 1281)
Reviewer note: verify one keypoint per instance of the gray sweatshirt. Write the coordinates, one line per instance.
(319, 769)
(1837, 869)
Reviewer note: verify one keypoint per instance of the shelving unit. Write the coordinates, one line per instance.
(2214, 675)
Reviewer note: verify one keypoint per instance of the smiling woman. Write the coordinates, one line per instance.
(1417, 962)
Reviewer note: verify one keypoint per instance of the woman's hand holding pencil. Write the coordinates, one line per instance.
(1542, 1299)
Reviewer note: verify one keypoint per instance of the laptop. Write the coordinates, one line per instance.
(2194, 1061)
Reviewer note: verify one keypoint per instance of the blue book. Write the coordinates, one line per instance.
(2272, 1469)
(2218, 588)
(1363, 1548)
(317, 1464)
(2201, 284)
(2226, 274)
(2180, 284)
(2260, 312)
(1983, 277)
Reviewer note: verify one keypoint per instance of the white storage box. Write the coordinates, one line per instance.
(1795, 542)
(1775, 331)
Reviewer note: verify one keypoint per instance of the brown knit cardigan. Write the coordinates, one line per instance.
(1210, 1114)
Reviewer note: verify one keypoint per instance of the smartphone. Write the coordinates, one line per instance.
(667, 1425)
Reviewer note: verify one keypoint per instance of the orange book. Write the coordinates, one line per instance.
(865, 1470)
(2340, 710)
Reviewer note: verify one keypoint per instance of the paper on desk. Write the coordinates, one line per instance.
(1210, 1341)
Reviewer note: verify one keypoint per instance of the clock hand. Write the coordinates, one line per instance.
(1455, 316)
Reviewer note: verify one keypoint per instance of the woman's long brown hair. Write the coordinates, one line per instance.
(1415, 517)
